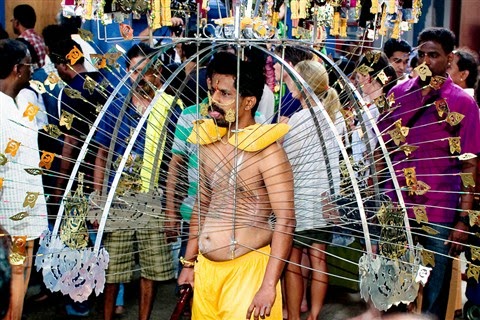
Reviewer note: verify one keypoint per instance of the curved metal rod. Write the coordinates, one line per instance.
(83, 152)
(383, 148)
(129, 147)
(339, 141)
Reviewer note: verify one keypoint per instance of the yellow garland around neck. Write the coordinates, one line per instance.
(252, 138)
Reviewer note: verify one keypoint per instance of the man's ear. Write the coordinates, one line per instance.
(464, 75)
(65, 68)
(249, 102)
(16, 72)
(61, 66)
(450, 58)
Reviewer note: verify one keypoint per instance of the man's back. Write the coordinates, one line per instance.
(84, 109)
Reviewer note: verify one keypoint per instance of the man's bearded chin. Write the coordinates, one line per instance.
(220, 121)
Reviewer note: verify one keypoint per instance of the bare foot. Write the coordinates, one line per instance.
(310, 317)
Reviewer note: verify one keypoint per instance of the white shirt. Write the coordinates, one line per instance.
(26, 96)
(361, 138)
(470, 91)
(304, 150)
(266, 105)
(17, 182)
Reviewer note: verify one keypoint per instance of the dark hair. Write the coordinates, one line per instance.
(11, 53)
(443, 36)
(190, 48)
(381, 64)
(477, 92)
(60, 50)
(414, 61)
(467, 61)
(31, 50)
(294, 54)
(252, 79)
(393, 45)
(71, 24)
(54, 33)
(256, 56)
(3, 33)
(226, 47)
(176, 82)
(336, 82)
(140, 49)
(25, 15)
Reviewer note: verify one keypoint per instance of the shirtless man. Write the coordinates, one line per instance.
(241, 227)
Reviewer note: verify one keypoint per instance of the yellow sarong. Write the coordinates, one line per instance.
(225, 290)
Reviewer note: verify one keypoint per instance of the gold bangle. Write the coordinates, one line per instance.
(187, 263)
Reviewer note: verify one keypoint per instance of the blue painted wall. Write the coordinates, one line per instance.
(2, 12)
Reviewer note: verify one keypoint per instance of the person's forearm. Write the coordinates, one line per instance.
(196, 221)
(278, 178)
(280, 250)
(99, 172)
(66, 163)
(191, 251)
(379, 164)
(173, 174)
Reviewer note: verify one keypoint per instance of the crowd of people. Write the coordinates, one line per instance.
(245, 180)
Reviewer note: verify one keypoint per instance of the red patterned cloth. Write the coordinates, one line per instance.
(37, 42)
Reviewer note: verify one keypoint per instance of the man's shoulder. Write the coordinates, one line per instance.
(97, 92)
(304, 114)
(271, 158)
(7, 103)
(95, 75)
(28, 33)
(457, 91)
(79, 79)
(191, 112)
(258, 137)
(273, 148)
(191, 109)
(4, 97)
(457, 97)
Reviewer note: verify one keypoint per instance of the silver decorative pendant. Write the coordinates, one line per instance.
(389, 282)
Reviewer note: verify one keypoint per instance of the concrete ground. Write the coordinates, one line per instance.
(340, 305)
(54, 307)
